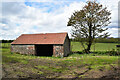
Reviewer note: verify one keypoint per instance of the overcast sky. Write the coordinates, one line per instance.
(46, 16)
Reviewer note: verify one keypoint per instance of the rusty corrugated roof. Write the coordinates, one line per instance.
(42, 38)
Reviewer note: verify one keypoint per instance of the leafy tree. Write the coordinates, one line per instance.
(90, 22)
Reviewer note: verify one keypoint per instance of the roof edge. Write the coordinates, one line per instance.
(47, 33)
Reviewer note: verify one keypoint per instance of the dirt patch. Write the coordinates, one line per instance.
(45, 68)
(113, 73)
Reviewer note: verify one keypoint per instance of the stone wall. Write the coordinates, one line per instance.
(23, 49)
(62, 50)
(58, 50)
(66, 46)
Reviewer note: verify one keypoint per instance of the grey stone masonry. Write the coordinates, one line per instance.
(23, 49)
(58, 51)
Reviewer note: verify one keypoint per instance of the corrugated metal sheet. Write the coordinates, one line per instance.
(47, 38)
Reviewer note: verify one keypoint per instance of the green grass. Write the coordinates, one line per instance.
(5, 45)
(24, 58)
(76, 46)
(85, 58)
(60, 65)
(54, 69)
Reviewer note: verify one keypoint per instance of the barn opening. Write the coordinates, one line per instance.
(44, 50)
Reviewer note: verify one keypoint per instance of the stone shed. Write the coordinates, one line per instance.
(43, 44)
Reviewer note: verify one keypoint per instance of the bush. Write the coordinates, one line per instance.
(11, 52)
(79, 52)
(111, 53)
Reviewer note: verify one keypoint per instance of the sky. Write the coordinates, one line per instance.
(45, 16)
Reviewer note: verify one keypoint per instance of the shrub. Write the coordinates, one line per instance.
(111, 53)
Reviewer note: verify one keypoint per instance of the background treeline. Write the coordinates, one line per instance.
(103, 40)
(6, 41)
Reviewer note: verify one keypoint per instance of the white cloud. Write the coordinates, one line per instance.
(112, 5)
(19, 19)
(113, 32)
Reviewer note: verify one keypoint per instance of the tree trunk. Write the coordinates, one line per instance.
(89, 38)
(89, 46)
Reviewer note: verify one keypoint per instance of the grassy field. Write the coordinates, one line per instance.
(76, 46)
(74, 66)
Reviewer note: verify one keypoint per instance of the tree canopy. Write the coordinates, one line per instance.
(90, 22)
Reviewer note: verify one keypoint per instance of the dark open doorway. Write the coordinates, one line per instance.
(44, 50)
